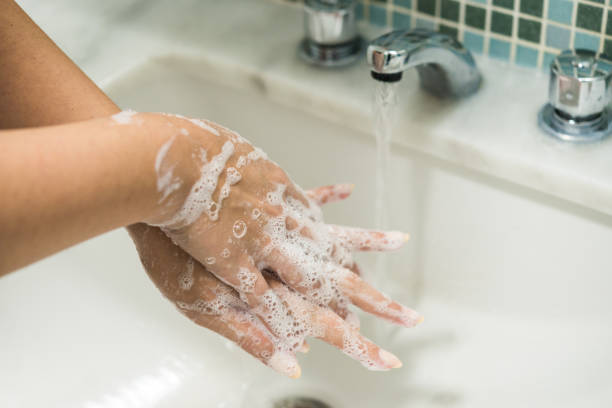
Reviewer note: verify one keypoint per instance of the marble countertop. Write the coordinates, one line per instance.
(253, 43)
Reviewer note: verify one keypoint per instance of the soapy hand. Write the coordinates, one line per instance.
(210, 303)
(257, 232)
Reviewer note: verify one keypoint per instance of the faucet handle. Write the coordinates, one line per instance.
(331, 37)
(330, 22)
(580, 83)
(578, 96)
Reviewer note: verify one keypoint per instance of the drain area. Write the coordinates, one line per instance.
(300, 402)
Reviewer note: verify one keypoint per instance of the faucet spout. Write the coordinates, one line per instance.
(446, 68)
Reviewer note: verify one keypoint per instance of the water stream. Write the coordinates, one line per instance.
(385, 114)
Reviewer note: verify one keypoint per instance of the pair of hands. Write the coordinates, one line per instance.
(244, 251)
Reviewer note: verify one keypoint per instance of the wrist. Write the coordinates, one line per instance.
(181, 149)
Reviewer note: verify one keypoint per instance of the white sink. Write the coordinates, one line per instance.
(514, 285)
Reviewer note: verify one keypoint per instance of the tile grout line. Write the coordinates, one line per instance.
(461, 22)
(573, 26)
(487, 30)
(602, 32)
(515, 28)
(437, 15)
(543, 34)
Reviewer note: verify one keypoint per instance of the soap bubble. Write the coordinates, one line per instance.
(239, 229)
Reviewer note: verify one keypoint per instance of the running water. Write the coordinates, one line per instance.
(385, 110)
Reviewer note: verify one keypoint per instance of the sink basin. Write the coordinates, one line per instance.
(513, 284)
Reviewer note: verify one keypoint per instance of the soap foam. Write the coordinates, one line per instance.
(185, 279)
(224, 299)
(200, 199)
(198, 122)
(253, 155)
(124, 117)
(166, 182)
(247, 280)
(232, 176)
(311, 257)
(290, 328)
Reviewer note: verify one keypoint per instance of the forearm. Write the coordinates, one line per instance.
(39, 84)
(64, 184)
(67, 183)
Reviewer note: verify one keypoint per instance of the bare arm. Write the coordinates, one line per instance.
(39, 84)
(71, 182)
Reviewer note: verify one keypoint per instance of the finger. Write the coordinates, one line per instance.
(206, 300)
(329, 327)
(218, 306)
(266, 304)
(356, 269)
(330, 194)
(370, 300)
(359, 239)
(247, 331)
(351, 318)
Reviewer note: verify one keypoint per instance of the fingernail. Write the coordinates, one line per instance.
(305, 348)
(410, 317)
(351, 187)
(392, 240)
(389, 359)
(286, 364)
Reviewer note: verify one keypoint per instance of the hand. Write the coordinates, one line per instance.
(243, 218)
(212, 304)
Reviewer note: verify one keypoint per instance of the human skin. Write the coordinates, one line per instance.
(46, 216)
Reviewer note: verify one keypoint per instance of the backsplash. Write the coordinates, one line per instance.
(525, 32)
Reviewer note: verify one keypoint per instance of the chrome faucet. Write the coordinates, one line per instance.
(579, 96)
(446, 68)
(331, 37)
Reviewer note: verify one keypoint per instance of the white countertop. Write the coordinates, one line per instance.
(253, 43)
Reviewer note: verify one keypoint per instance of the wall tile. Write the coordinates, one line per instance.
(526, 56)
(589, 17)
(499, 49)
(525, 32)
(473, 42)
(501, 23)
(588, 41)
(401, 20)
(557, 37)
(378, 15)
(561, 11)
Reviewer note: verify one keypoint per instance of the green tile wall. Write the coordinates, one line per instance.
(525, 32)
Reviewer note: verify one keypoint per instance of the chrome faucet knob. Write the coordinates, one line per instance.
(579, 94)
(331, 37)
(330, 22)
(580, 83)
